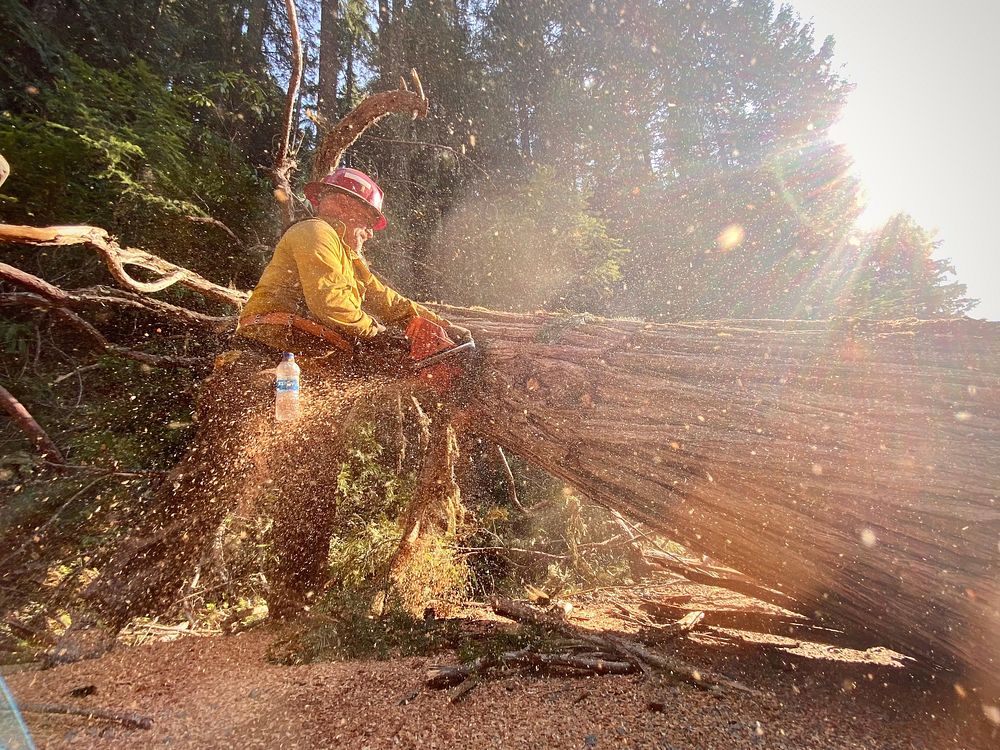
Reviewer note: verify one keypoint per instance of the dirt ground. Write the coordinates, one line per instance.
(221, 692)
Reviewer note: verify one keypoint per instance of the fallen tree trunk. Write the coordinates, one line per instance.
(846, 465)
(849, 465)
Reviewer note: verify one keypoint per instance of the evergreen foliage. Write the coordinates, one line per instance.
(693, 134)
(661, 159)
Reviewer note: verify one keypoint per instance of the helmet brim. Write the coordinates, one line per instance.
(314, 190)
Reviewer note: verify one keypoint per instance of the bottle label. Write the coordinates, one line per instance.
(286, 385)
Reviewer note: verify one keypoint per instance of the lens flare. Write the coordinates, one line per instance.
(730, 238)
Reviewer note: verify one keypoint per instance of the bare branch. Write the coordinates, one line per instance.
(283, 164)
(23, 419)
(372, 109)
(117, 257)
(154, 360)
(631, 650)
(125, 718)
(511, 486)
(43, 294)
(215, 223)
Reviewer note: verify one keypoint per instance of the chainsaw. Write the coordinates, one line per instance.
(435, 358)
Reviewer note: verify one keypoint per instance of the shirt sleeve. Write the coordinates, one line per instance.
(329, 294)
(391, 307)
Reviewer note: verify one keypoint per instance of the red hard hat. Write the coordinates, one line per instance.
(353, 182)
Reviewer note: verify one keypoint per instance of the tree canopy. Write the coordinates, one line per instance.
(659, 159)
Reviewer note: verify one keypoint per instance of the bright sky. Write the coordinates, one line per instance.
(923, 123)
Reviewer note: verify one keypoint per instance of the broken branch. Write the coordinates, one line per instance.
(215, 223)
(372, 109)
(125, 718)
(440, 677)
(117, 257)
(154, 360)
(511, 486)
(634, 651)
(23, 419)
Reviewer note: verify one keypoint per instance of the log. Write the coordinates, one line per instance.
(22, 418)
(849, 465)
(846, 465)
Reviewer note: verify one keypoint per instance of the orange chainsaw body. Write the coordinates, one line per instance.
(429, 341)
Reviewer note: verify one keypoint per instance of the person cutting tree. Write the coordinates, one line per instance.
(318, 295)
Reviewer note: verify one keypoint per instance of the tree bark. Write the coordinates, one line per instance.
(23, 419)
(848, 465)
(117, 257)
(329, 59)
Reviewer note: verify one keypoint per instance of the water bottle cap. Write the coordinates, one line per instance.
(287, 357)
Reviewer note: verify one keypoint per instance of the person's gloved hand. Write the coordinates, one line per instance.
(458, 334)
(384, 341)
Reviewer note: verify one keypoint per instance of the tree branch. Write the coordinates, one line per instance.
(208, 220)
(283, 165)
(372, 109)
(125, 718)
(154, 360)
(631, 650)
(511, 486)
(23, 419)
(43, 294)
(117, 257)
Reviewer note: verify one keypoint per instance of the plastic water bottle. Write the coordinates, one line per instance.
(286, 389)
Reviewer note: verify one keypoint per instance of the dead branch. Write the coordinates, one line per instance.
(372, 109)
(117, 257)
(511, 486)
(125, 718)
(208, 220)
(102, 297)
(44, 295)
(98, 339)
(23, 419)
(703, 573)
(629, 649)
(755, 621)
(440, 677)
(283, 164)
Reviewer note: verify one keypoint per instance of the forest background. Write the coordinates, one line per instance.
(657, 159)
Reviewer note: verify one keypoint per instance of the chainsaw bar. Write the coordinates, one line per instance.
(447, 354)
